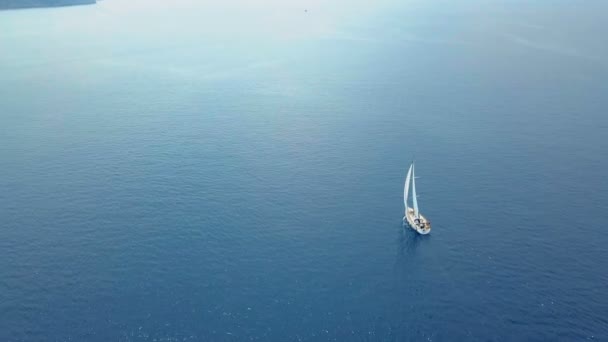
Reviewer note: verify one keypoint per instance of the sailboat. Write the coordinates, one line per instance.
(412, 216)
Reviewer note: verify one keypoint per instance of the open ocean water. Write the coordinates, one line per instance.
(190, 171)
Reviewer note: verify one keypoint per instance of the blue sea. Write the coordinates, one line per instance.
(197, 171)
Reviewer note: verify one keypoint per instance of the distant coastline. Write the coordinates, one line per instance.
(16, 4)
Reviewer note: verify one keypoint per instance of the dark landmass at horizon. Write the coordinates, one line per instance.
(14, 4)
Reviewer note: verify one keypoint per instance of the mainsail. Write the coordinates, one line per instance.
(414, 200)
(406, 188)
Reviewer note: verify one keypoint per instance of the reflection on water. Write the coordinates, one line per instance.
(411, 263)
(408, 244)
(410, 240)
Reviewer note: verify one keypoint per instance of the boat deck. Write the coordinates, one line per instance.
(423, 225)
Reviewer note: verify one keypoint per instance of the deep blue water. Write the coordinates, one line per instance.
(234, 172)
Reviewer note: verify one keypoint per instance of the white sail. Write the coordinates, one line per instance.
(414, 200)
(406, 188)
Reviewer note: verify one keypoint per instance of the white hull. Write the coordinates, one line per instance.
(423, 226)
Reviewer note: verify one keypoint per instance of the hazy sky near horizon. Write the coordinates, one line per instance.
(264, 28)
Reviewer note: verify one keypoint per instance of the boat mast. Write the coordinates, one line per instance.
(414, 200)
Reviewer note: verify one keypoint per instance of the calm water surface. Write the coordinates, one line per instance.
(234, 172)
